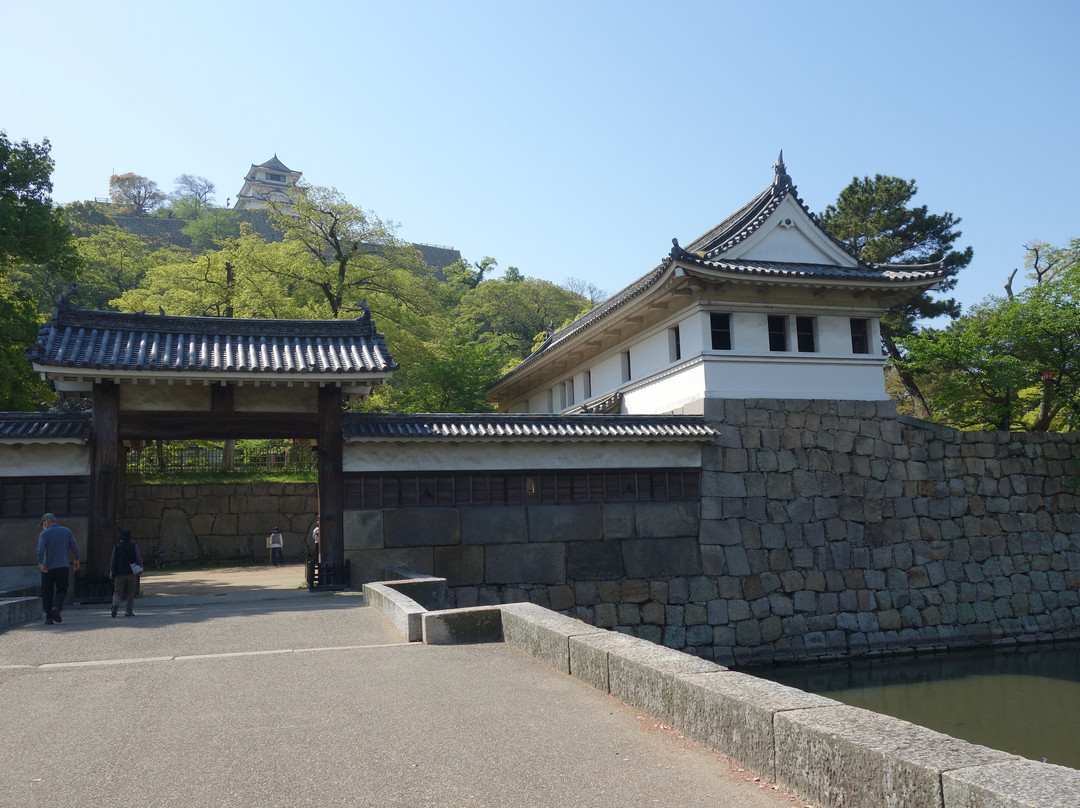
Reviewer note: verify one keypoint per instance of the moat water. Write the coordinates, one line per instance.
(1025, 701)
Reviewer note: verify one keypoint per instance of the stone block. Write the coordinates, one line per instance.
(494, 525)
(459, 626)
(1017, 784)
(654, 558)
(525, 563)
(543, 633)
(594, 561)
(732, 713)
(372, 565)
(666, 519)
(578, 522)
(363, 530)
(859, 759)
(421, 527)
(618, 520)
(460, 566)
(640, 673)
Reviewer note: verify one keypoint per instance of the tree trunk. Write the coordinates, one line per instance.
(922, 409)
(228, 455)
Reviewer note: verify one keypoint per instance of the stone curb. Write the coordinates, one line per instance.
(405, 613)
(15, 611)
(823, 751)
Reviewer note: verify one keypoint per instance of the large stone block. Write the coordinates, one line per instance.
(1018, 784)
(656, 558)
(372, 565)
(543, 633)
(666, 519)
(494, 525)
(460, 566)
(732, 713)
(421, 527)
(578, 522)
(363, 530)
(859, 759)
(594, 561)
(459, 626)
(525, 563)
(644, 675)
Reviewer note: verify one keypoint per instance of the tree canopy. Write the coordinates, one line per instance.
(32, 229)
(33, 233)
(876, 220)
(1012, 362)
(134, 193)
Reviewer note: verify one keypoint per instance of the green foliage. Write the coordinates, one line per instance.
(1011, 363)
(32, 229)
(20, 387)
(211, 227)
(514, 314)
(86, 218)
(875, 219)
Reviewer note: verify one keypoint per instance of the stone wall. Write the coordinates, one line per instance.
(837, 528)
(221, 521)
(825, 528)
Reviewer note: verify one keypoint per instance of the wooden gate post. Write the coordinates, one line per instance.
(331, 486)
(106, 481)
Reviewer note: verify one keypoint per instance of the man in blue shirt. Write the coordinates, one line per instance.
(55, 544)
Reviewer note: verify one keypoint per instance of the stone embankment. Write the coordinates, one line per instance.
(836, 528)
(821, 750)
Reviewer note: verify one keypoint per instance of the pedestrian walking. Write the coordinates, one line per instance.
(125, 566)
(276, 543)
(56, 544)
(315, 538)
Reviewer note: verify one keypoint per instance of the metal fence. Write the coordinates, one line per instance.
(167, 458)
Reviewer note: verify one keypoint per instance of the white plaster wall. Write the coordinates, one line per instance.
(667, 392)
(650, 355)
(45, 460)
(792, 376)
(392, 456)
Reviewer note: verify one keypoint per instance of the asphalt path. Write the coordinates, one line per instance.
(240, 688)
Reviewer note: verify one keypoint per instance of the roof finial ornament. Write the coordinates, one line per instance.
(781, 180)
(678, 252)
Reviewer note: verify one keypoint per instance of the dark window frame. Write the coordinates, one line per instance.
(778, 332)
(860, 335)
(806, 334)
(720, 330)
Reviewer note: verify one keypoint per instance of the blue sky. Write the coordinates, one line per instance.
(569, 139)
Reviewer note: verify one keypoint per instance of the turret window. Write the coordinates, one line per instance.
(860, 336)
(720, 326)
(777, 333)
(804, 334)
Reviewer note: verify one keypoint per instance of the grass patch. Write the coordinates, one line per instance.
(197, 477)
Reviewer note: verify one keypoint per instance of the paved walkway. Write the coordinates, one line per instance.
(238, 688)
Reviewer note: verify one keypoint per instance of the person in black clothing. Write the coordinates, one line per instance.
(125, 580)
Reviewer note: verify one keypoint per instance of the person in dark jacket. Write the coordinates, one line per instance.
(56, 544)
(125, 580)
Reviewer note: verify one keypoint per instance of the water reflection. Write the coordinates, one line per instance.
(1025, 700)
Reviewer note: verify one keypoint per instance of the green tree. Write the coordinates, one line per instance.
(33, 234)
(113, 262)
(345, 255)
(32, 229)
(515, 312)
(1011, 363)
(876, 220)
(212, 227)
